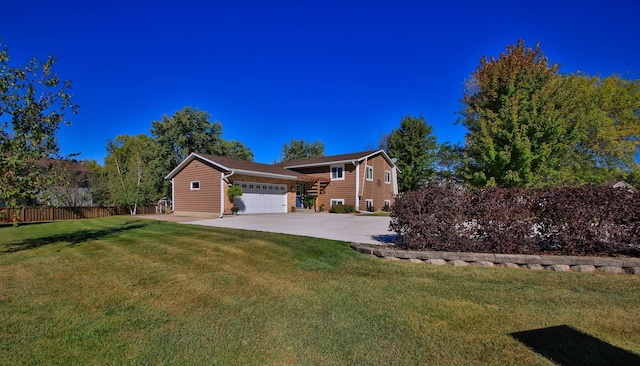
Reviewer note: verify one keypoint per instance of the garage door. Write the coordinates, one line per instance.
(262, 198)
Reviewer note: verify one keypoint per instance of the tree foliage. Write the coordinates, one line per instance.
(450, 160)
(33, 104)
(529, 125)
(190, 130)
(301, 149)
(414, 145)
(130, 167)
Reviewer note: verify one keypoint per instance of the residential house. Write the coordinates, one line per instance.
(366, 180)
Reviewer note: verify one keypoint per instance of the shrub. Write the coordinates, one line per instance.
(342, 209)
(586, 220)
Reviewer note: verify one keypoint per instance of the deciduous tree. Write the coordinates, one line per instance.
(130, 166)
(414, 145)
(515, 134)
(190, 130)
(33, 104)
(529, 125)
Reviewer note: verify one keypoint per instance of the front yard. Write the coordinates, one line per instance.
(125, 290)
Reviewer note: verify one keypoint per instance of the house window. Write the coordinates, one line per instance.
(195, 185)
(369, 173)
(387, 177)
(369, 204)
(337, 172)
(387, 205)
(337, 202)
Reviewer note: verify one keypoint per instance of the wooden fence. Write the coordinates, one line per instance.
(31, 214)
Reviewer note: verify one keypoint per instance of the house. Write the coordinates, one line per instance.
(366, 180)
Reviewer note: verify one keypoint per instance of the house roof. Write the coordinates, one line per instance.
(280, 170)
(69, 165)
(228, 165)
(334, 159)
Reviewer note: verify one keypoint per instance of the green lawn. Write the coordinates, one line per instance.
(122, 290)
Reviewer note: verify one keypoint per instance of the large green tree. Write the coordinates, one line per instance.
(515, 134)
(603, 115)
(130, 169)
(190, 130)
(415, 147)
(301, 149)
(529, 125)
(33, 104)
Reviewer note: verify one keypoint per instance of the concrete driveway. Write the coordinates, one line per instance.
(345, 227)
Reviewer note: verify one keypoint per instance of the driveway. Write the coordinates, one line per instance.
(345, 227)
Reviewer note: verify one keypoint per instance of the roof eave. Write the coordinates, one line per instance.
(254, 173)
(189, 159)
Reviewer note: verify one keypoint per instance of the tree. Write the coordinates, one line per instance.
(189, 130)
(129, 164)
(414, 145)
(604, 117)
(33, 104)
(301, 149)
(98, 181)
(515, 136)
(450, 160)
(529, 125)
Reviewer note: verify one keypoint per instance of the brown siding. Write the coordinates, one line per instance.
(377, 189)
(206, 200)
(345, 189)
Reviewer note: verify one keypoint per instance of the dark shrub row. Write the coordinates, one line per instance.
(342, 209)
(586, 220)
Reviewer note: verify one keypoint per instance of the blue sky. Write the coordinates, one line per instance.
(342, 72)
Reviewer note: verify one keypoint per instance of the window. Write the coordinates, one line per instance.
(369, 172)
(244, 185)
(337, 172)
(195, 185)
(387, 205)
(369, 204)
(337, 202)
(387, 177)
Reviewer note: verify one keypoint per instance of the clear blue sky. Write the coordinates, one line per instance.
(342, 72)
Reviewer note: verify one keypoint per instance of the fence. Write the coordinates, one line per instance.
(30, 214)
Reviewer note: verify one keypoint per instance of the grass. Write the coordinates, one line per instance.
(122, 290)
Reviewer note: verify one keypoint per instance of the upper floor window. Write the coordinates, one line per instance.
(369, 173)
(337, 172)
(387, 177)
(195, 185)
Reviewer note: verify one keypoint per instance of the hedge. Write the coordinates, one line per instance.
(586, 220)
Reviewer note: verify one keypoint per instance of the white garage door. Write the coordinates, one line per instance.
(261, 197)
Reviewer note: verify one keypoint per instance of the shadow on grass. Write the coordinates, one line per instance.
(565, 345)
(73, 239)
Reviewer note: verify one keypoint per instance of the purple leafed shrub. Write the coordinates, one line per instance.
(585, 220)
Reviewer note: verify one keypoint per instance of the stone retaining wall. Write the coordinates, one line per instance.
(533, 262)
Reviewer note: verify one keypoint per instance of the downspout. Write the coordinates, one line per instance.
(173, 195)
(355, 163)
(223, 178)
(364, 178)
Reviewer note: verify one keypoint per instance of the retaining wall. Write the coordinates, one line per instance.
(533, 262)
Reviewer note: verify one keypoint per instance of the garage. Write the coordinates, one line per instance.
(261, 198)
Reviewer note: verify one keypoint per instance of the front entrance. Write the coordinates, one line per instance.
(300, 191)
